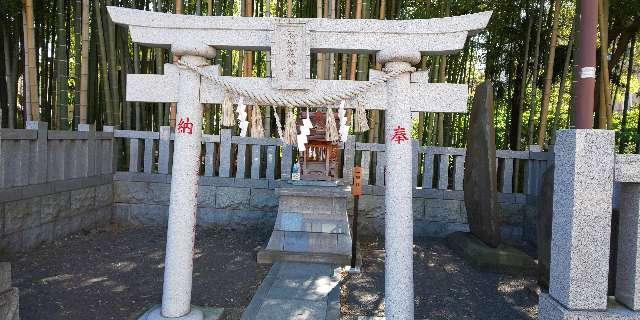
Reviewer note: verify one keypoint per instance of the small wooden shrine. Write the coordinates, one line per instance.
(319, 161)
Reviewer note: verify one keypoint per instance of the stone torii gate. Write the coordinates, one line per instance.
(397, 44)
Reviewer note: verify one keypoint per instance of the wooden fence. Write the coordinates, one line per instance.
(36, 155)
(237, 157)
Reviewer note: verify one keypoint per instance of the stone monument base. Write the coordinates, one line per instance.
(311, 226)
(197, 313)
(9, 296)
(503, 259)
(550, 309)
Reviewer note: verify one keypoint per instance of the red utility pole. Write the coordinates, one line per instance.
(585, 87)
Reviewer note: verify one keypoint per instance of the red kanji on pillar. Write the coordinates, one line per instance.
(399, 135)
(185, 126)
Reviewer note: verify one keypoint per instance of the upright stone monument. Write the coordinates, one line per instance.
(480, 178)
(398, 90)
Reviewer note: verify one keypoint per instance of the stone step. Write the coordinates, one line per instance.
(297, 291)
(312, 222)
(312, 205)
(294, 241)
(307, 247)
(310, 191)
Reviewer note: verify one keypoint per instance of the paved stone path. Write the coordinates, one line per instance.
(300, 291)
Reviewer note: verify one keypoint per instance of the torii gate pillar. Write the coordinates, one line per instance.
(178, 271)
(398, 280)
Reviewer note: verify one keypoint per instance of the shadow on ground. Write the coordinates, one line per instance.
(117, 274)
(446, 287)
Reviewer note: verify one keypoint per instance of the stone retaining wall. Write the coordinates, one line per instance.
(143, 199)
(439, 212)
(33, 214)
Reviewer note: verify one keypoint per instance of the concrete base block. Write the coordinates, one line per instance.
(581, 228)
(311, 226)
(503, 259)
(197, 313)
(9, 306)
(550, 309)
(628, 255)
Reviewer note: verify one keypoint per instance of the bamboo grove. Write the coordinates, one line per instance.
(65, 63)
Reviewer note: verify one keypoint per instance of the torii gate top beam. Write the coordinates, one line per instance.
(291, 41)
(441, 35)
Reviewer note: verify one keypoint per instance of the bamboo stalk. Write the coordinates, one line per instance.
(84, 64)
(546, 95)
(30, 64)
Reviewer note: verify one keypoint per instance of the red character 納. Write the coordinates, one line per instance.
(185, 126)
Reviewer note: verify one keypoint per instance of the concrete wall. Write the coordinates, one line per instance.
(33, 214)
(143, 199)
(53, 183)
(439, 212)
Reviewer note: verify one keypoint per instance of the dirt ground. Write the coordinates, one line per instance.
(445, 286)
(116, 274)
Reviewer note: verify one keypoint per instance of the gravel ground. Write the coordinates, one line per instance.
(445, 286)
(116, 274)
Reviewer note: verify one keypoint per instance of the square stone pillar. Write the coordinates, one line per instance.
(628, 269)
(583, 186)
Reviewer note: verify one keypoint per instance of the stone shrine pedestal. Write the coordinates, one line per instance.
(311, 226)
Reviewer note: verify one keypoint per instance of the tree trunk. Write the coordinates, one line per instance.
(364, 12)
(104, 66)
(375, 129)
(605, 101)
(3, 78)
(319, 55)
(84, 64)
(546, 96)
(93, 96)
(565, 71)
(627, 96)
(347, 14)
(136, 69)
(112, 57)
(30, 63)
(442, 75)
(159, 60)
(11, 66)
(61, 67)
(125, 68)
(248, 55)
(77, 28)
(354, 57)
(516, 143)
(534, 80)
(442, 69)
